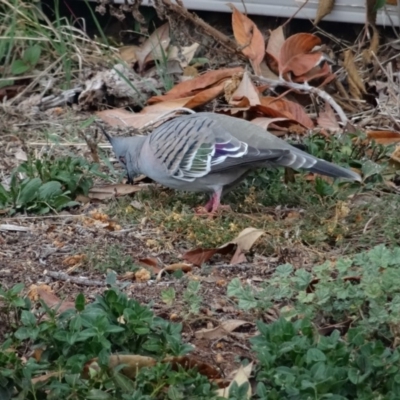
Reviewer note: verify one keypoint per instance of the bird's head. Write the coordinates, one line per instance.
(127, 150)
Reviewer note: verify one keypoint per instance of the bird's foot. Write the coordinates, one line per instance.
(206, 211)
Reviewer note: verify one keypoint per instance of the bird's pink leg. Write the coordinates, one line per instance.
(213, 204)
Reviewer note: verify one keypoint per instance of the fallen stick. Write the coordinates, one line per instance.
(305, 87)
(62, 276)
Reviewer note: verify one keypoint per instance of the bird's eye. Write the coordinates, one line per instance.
(122, 160)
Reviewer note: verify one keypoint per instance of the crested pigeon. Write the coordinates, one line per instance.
(207, 152)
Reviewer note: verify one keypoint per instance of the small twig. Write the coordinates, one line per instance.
(62, 276)
(167, 114)
(245, 8)
(305, 87)
(294, 15)
(69, 144)
(368, 223)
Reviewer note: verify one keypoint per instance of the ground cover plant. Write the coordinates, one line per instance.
(117, 291)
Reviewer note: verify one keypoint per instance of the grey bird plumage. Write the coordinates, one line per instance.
(209, 152)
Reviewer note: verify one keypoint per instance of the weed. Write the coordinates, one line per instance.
(298, 363)
(192, 300)
(111, 324)
(112, 257)
(48, 184)
(362, 290)
(31, 41)
(168, 296)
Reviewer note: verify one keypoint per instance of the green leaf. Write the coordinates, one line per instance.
(27, 318)
(379, 4)
(5, 197)
(175, 394)
(370, 168)
(235, 287)
(168, 296)
(32, 55)
(315, 355)
(29, 191)
(49, 190)
(18, 67)
(63, 201)
(17, 289)
(5, 83)
(124, 383)
(283, 271)
(323, 188)
(80, 302)
(97, 394)
(354, 376)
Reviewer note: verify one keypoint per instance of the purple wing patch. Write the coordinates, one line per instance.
(233, 148)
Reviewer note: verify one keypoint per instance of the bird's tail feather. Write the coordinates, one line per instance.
(326, 168)
(301, 160)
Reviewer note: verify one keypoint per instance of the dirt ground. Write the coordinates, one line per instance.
(42, 252)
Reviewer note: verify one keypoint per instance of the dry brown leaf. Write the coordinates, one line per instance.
(187, 363)
(384, 137)
(249, 38)
(152, 262)
(149, 114)
(109, 191)
(178, 267)
(242, 243)
(265, 122)
(128, 53)
(395, 156)
(272, 112)
(46, 377)
(142, 275)
(246, 94)
(275, 43)
(241, 376)
(205, 96)
(286, 109)
(238, 257)
(267, 72)
(200, 256)
(221, 330)
(154, 47)
(230, 85)
(44, 293)
(70, 261)
(301, 64)
(190, 71)
(319, 71)
(132, 363)
(373, 46)
(175, 267)
(184, 56)
(355, 82)
(193, 86)
(300, 44)
(325, 7)
(327, 119)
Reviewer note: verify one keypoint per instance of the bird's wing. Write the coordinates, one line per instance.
(191, 147)
(261, 140)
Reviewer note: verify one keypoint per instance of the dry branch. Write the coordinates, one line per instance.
(305, 87)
